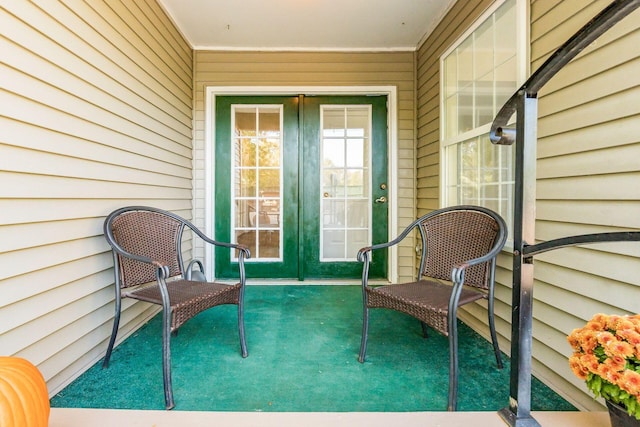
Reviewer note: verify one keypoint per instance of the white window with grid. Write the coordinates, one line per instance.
(479, 73)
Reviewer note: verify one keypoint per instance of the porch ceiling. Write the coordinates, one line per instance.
(306, 24)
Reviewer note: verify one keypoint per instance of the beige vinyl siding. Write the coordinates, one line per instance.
(587, 177)
(95, 113)
(588, 171)
(457, 21)
(459, 18)
(224, 68)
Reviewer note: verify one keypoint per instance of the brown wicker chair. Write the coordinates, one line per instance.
(148, 266)
(459, 249)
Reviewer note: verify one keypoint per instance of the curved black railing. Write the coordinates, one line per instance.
(524, 104)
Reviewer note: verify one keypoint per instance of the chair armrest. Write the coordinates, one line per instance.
(237, 246)
(364, 251)
(191, 274)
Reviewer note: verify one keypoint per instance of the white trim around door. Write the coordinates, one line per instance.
(211, 92)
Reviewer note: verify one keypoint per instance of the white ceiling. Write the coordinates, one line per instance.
(306, 24)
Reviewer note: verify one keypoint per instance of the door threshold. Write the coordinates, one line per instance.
(310, 282)
(315, 282)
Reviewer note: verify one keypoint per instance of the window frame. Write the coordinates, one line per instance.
(522, 68)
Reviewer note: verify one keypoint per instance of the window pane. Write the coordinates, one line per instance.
(345, 186)
(269, 180)
(333, 122)
(333, 213)
(246, 183)
(333, 244)
(269, 122)
(505, 29)
(479, 75)
(333, 152)
(245, 213)
(483, 51)
(465, 63)
(256, 179)
(355, 153)
(451, 116)
(245, 121)
(450, 76)
(465, 109)
(358, 122)
(269, 152)
(355, 183)
(357, 215)
(483, 100)
(247, 154)
(333, 182)
(356, 239)
(506, 76)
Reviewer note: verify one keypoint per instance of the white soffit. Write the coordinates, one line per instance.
(306, 25)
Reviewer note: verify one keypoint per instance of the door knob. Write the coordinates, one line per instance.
(381, 199)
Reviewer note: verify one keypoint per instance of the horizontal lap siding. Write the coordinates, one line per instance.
(459, 18)
(224, 68)
(457, 21)
(587, 176)
(95, 113)
(588, 172)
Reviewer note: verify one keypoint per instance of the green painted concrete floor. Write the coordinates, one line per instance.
(303, 343)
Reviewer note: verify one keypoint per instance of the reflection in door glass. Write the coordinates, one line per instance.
(256, 179)
(345, 187)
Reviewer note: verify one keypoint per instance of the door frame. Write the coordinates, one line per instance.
(211, 92)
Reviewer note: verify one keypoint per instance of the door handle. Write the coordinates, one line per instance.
(381, 199)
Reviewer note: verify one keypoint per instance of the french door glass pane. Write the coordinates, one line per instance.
(345, 174)
(257, 179)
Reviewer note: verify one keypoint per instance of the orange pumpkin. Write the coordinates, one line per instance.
(24, 400)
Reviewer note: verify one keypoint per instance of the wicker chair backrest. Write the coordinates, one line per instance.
(456, 236)
(149, 234)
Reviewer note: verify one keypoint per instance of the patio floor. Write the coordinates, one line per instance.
(303, 344)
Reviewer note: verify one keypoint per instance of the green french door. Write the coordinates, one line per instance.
(302, 181)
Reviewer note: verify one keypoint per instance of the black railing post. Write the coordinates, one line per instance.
(519, 411)
(524, 102)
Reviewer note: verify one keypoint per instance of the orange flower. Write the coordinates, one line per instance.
(619, 348)
(590, 362)
(608, 348)
(598, 322)
(588, 342)
(631, 382)
(616, 363)
(605, 338)
(625, 324)
(615, 377)
(576, 367)
(574, 341)
(630, 335)
(605, 370)
(613, 321)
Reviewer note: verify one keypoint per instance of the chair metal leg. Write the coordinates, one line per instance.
(243, 341)
(453, 363)
(494, 337)
(425, 331)
(114, 332)
(166, 358)
(365, 332)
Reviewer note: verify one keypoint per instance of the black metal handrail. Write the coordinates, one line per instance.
(524, 103)
(607, 18)
(581, 239)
